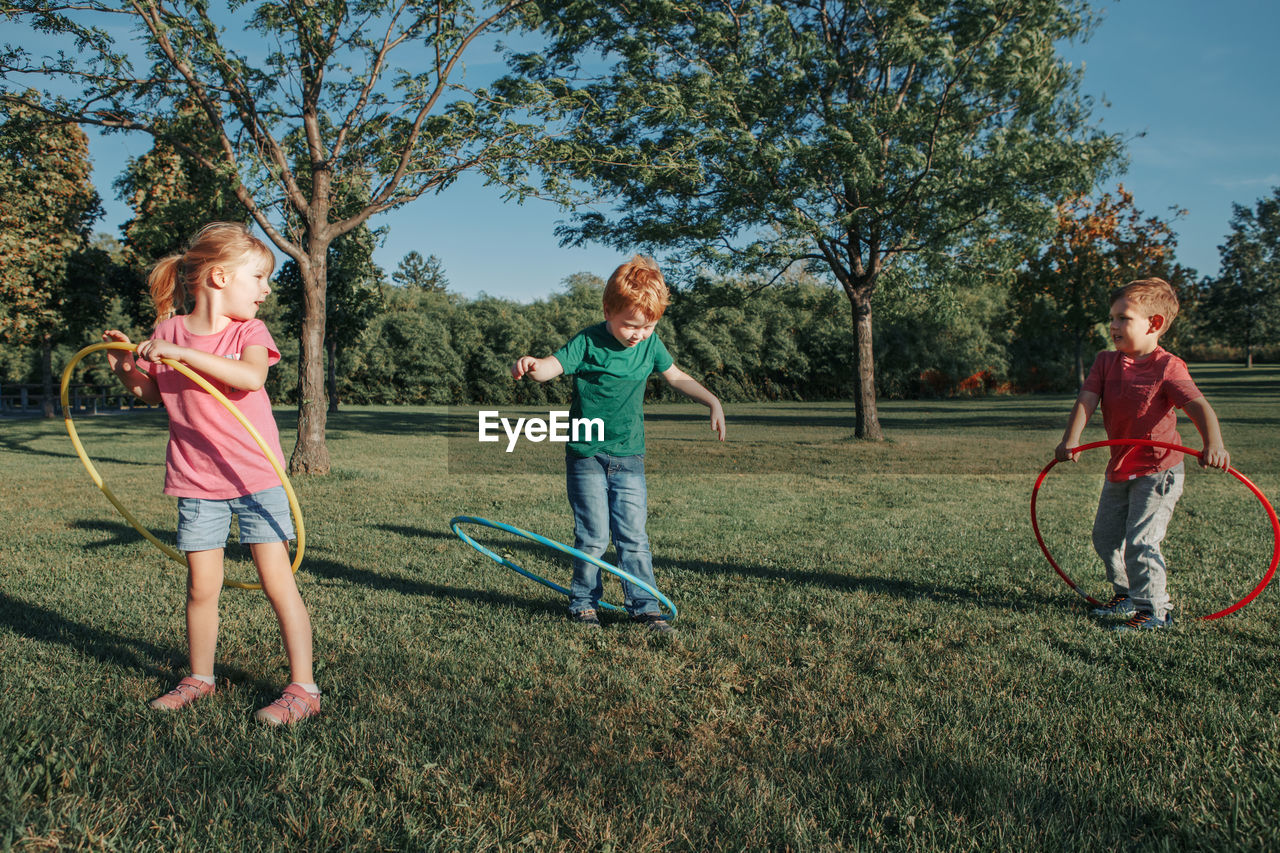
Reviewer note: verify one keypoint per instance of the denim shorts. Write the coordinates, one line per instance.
(204, 524)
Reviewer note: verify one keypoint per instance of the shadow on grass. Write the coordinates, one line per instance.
(119, 532)
(333, 570)
(15, 444)
(420, 532)
(970, 791)
(162, 663)
(48, 626)
(791, 418)
(394, 421)
(896, 587)
(938, 415)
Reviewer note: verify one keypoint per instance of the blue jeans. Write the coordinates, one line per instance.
(609, 498)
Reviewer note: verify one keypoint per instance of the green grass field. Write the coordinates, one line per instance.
(872, 653)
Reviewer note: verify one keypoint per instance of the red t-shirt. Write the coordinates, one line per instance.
(211, 455)
(1138, 401)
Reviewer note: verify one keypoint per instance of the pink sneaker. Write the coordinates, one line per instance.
(293, 705)
(188, 690)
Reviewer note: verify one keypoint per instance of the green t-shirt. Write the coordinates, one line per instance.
(608, 383)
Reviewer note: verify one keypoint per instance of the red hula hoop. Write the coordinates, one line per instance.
(1146, 442)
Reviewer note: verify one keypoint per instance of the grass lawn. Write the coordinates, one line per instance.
(871, 653)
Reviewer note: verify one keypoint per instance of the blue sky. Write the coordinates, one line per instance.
(1197, 81)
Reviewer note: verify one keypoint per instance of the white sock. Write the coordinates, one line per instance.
(207, 679)
(310, 687)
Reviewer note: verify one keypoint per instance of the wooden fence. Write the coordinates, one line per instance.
(84, 399)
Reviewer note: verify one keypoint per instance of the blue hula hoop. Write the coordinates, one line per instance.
(454, 523)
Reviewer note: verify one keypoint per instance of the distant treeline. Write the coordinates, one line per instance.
(791, 341)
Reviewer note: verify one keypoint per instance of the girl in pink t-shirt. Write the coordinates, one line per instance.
(213, 466)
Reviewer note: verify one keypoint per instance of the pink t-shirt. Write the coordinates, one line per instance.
(211, 455)
(1138, 401)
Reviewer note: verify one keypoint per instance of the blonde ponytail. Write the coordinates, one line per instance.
(168, 293)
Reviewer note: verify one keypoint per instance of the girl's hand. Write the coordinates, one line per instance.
(1064, 453)
(115, 357)
(154, 349)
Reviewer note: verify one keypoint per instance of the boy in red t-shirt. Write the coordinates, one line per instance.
(1139, 386)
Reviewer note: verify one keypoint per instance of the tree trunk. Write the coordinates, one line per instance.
(867, 420)
(332, 345)
(46, 374)
(310, 454)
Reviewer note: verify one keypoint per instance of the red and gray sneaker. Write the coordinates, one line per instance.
(1144, 620)
(293, 705)
(187, 691)
(1118, 605)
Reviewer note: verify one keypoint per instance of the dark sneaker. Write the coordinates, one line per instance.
(654, 622)
(585, 617)
(1144, 621)
(1119, 605)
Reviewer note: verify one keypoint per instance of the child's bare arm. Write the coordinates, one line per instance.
(125, 367)
(247, 373)
(691, 388)
(1215, 454)
(539, 369)
(1076, 421)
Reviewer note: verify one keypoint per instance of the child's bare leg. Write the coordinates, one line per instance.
(204, 583)
(276, 572)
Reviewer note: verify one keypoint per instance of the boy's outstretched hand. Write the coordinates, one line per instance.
(523, 365)
(717, 420)
(537, 369)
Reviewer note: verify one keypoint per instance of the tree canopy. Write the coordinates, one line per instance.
(49, 206)
(1097, 245)
(424, 274)
(750, 135)
(1243, 303)
(376, 89)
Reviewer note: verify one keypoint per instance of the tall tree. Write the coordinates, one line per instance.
(1242, 306)
(353, 297)
(171, 194)
(850, 135)
(375, 88)
(49, 205)
(1097, 245)
(428, 274)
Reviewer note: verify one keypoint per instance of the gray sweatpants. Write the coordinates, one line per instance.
(1131, 522)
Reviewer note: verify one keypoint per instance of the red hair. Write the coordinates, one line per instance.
(637, 284)
(1154, 294)
(174, 279)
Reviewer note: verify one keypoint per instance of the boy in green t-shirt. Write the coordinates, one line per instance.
(610, 364)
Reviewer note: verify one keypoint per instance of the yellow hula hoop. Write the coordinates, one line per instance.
(221, 398)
